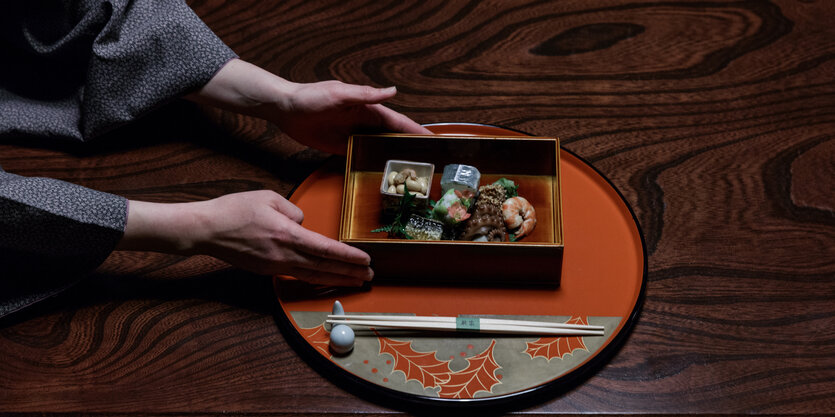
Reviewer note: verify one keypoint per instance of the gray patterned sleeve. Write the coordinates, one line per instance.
(50, 232)
(75, 69)
(78, 69)
(148, 53)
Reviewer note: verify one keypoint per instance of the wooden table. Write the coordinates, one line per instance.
(716, 120)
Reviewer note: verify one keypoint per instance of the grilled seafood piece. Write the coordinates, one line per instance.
(519, 214)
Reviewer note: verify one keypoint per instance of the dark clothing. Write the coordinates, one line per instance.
(74, 70)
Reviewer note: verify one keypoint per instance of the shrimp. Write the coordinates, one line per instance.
(519, 213)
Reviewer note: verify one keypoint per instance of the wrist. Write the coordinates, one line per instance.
(169, 228)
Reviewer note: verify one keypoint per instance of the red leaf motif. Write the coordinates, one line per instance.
(557, 347)
(480, 375)
(422, 367)
(318, 337)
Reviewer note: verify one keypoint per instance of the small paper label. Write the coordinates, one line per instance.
(464, 173)
(461, 173)
(467, 323)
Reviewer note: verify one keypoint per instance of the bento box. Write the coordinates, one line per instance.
(532, 163)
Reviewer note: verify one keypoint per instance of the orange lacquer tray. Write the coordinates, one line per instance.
(603, 281)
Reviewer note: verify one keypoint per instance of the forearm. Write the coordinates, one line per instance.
(245, 88)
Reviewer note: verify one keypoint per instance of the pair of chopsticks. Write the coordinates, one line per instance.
(467, 324)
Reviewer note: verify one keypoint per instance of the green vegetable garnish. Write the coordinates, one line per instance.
(429, 209)
(509, 187)
(397, 228)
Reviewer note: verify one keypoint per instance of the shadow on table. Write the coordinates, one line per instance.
(230, 287)
(207, 132)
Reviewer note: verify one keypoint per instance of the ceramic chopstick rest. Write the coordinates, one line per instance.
(342, 336)
(337, 308)
(342, 339)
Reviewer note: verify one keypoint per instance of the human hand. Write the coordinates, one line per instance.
(258, 231)
(321, 115)
(324, 114)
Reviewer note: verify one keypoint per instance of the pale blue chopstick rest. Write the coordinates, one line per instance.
(342, 336)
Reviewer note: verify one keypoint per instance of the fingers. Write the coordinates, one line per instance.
(320, 246)
(324, 278)
(385, 117)
(396, 122)
(348, 94)
(320, 260)
(323, 265)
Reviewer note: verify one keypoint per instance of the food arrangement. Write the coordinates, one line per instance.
(400, 175)
(465, 211)
(398, 181)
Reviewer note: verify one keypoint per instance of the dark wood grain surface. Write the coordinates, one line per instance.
(715, 119)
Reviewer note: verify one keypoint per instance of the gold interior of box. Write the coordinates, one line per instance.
(531, 162)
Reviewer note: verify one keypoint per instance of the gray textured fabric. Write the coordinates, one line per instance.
(50, 232)
(75, 70)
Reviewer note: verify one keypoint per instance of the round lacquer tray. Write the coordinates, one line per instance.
(602, 283)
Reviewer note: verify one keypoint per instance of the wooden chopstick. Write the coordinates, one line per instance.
(472, 324)
(441, 319)
(483, 328)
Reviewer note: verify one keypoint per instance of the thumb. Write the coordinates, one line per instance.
(363, 94)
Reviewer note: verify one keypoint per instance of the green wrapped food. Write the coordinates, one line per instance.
(453, 207)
